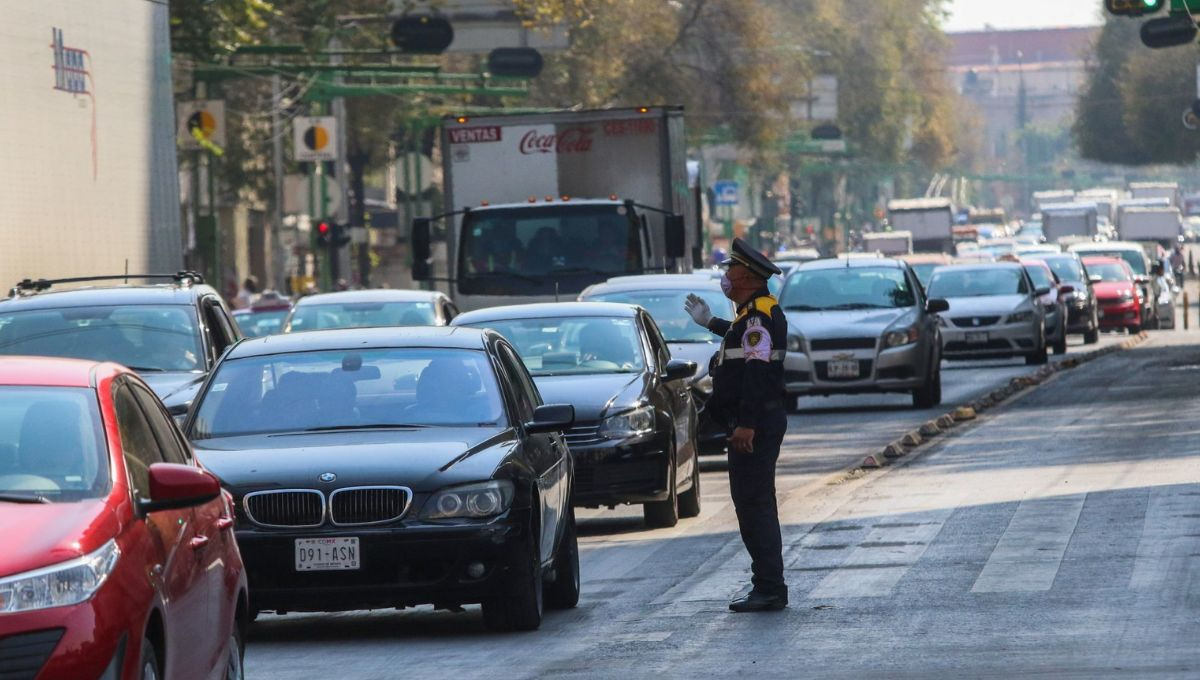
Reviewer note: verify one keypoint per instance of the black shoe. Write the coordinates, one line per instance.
(759, 602)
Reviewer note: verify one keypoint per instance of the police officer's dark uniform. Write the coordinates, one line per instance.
(748, 391)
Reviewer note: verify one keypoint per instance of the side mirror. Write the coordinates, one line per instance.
(678, 369)
(1094, 278)
(421, 251)
(1066, 290)
(174, 486)
(1041, 291)
(937, 306)
(676, 236)
(551, 418)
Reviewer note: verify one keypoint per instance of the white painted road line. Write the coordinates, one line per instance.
(1028, 554)
(1170, 539)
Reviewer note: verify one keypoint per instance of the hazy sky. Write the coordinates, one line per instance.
(972, 15)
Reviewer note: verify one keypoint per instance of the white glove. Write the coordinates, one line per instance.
(698, 309)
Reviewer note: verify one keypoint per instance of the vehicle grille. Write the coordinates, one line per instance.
(285, 508)
(864, 371)
(833, 344)
(989, 346)
(368, 504)
(22, 656)
(970, 321)
(582, 435)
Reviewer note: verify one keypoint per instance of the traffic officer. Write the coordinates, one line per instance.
(748, 394)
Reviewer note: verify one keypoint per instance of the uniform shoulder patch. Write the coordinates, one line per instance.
(756, 341)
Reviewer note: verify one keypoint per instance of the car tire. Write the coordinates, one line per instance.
(1039, 357)
(563, 591)
(930, 394)
(234, 669)
(1092, 336)
(665, 513)
(520, 605)
(1060, 345)
(689, 501)
(1134, 330)
(148, 668)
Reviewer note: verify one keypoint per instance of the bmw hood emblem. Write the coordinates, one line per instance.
(327, 477)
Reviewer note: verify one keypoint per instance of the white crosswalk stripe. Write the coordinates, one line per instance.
(1170, 538)
(1029, 553)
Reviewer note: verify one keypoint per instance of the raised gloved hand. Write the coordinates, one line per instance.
(698, 309)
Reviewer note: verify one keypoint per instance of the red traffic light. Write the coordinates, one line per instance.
(323, 227)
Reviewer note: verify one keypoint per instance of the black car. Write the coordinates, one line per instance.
(170, 333)
(663, 295)
(635, 436)
(1082, 310)
(392, 467)
(370, 309)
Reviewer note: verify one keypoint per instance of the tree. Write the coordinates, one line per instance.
(1099, 130)
(1159, 85)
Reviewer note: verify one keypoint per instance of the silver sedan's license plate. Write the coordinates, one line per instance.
(327, 554)
(843, 368)
(976, 338)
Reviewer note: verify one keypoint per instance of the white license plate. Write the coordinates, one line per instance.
(843, 369)
(327, 554)
(976, 338)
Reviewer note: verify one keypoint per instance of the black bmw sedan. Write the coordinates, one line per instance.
(393, 467)
(635, 436)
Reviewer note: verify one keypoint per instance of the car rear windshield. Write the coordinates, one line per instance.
(258, 324)
(847, 289)
(349, 389)
(142, 337)
(954, 282)
(561, 346)
(1065, 268)
(1108, 271)
(361, 315)
(666, 308)
(51, 444)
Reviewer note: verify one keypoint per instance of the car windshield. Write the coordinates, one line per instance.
(954, 282)
(574, 345)
(666, 308)
(1108, 271)
(1040, 276)
(349, 389)
(924, 270)
(258, 324)
(51, 444)
(530, 251)
(142, 337)
(1134, 258)
(1065, 268)
(847, 288)
(360, 315)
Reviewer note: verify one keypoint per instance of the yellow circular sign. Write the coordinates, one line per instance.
(316, 138)
(204, 122)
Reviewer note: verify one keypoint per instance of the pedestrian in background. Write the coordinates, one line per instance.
(748, 395)
(248, 293)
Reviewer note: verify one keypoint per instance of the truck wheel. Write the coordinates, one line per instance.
(519, 606)
(563, 591)
(665, 513)
(689, 501)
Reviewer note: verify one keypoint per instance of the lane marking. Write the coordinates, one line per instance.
(1030, 551)
(882, 558)
(1170, 535)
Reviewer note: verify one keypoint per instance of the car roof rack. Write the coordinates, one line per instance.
(182, 277)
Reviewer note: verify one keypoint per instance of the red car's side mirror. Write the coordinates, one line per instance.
(174, 486)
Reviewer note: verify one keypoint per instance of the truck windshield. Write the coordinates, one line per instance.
(546, 250)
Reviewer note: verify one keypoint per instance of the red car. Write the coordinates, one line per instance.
(117, 552)
(1117, 294)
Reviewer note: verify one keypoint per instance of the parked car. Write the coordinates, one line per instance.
(370, 309)
(1053, 302)
(265, 316)
(996, 312)
(1117, 293)
(861, 325)
(1135, 256)
(116, 555)
(663, 295)
(393, 467)
(635, 436)
(172, 333)
(1082, 311)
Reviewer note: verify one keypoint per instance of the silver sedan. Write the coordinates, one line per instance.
(996, 312)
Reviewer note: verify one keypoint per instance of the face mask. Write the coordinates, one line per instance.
(726, 285)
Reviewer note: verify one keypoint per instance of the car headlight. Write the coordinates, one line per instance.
(639, 421)
(472, 501)
(704, 385)
(60, 584)
(904, 336)
(1127, 297)
(1021, 317)
(795, 343)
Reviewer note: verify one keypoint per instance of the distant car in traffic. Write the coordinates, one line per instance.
(265, 316)
(663, 295)
(995, 312)
(1082, 311)
(117, 556)
(1135, 256)
(861, 325)
(1117, 292)
(393, 467)
(1053, 302)
(634, 439)
(376, 308)
(923, 264)
(171, 333)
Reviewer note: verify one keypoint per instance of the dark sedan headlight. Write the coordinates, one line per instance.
(1021, 317)
(635, 423)
(898, 338)
(472, 501)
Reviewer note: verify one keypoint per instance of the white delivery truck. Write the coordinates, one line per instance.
(1105, 200)
(1052, 197)
(1076, 219)
(888, 243)
(930, 221)
(540, 206)
(1163, 225)
(1167, 190)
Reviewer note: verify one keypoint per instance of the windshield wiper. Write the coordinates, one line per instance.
(857, 305)
(146, 369)
(371, 426)
(804, 308)
(580, 270)
(512, 275)
(23, 498)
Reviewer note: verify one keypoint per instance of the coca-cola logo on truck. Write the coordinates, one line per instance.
(475, 134)
(570, 140)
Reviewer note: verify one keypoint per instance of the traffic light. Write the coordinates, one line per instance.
(323, 234)
(1177, 29)
(339, 235)
(422, 34)
(1133, 8)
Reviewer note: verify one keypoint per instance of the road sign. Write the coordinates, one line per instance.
(314, 138)
(726, 191)
(199, 122)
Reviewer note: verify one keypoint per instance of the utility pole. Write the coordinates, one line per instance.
(277, 256)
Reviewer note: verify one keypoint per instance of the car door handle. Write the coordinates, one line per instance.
(198, 542)
(225, 523)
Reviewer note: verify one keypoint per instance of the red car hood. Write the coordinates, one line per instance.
(1113, 289)
(38, 535)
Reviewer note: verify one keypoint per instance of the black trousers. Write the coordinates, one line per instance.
(752, 486)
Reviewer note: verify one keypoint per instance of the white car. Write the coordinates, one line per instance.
(995, 312)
